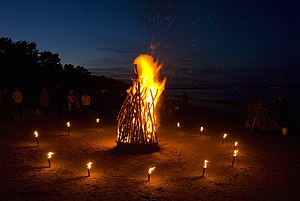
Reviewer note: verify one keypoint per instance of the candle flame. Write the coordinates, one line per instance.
(50, 154)
(235, 152)
(36, 134)
(97, 120)
(68, 124)
(225, 135)
(201, 128)
(235, 144)
(205, 163)
(89, 165)
(178, 124)
(150, 170)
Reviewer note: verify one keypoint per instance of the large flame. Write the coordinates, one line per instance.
(148, 74)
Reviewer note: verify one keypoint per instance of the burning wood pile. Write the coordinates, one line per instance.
(137, 119)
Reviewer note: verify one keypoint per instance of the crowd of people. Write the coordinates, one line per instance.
(72, 103)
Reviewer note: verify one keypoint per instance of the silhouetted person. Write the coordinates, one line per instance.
(44, 101)
(86, 102)
(76, 108)
(71, 102)
(17, 97)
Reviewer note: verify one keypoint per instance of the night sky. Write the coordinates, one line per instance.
(185, 36)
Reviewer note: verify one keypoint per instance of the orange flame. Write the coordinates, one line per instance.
(150, 170)
(36, 134)
(89, 165)
(225, 135)
(148, 72)
(235, 144)
(50, 154)
(235, 152)
(201, 128)
(178, 124)
(68, 124)
(205, 163)
(97, 120)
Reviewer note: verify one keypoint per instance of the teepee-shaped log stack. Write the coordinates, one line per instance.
(136, 119)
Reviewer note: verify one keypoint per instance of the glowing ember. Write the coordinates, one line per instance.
(89, 165)
(50, 154)
(225, 135)
(235, 144)
(36, 134)
(178, 124)
(68, 124)
(205, 163)
(97, 120)
(201, 128)
(137, 119)
(150, 170)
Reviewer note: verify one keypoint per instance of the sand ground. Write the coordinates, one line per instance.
(266, 167)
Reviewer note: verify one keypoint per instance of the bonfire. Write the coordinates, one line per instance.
(137, 119)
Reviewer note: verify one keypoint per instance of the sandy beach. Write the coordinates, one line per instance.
(265, 168)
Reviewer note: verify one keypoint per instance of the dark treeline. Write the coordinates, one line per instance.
(24, 66)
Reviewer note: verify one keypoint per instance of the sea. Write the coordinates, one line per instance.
(234, 90)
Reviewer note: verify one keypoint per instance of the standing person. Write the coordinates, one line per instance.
(17, 97)
(76, 106)
(70, 102)
(86, 102)
(44, 101)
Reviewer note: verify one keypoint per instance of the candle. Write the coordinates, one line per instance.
(178, 125)
(234, 155)
(97, 122)
(204, 167)
(49, 156)
(224, 136)
(201, 130)
(36, 134)
(68, 125)
(88, 167)
(235, 144)
(149, 172)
